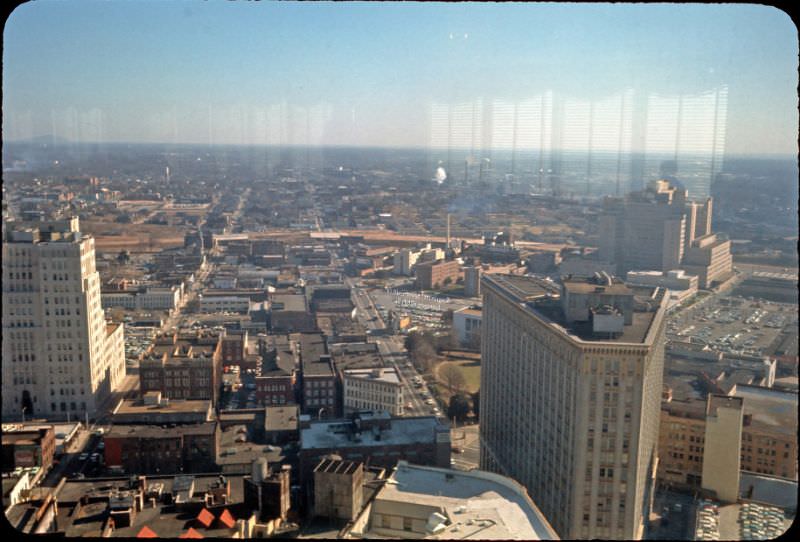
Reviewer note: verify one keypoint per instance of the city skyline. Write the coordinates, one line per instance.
(348, 74)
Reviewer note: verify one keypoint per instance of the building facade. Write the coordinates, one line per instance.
(183, 366)
(768, 443)
(372, 389)
(659, 229)
(149, 449)
(467, 325)
(432, 275)
(571, 410)
(58, 357)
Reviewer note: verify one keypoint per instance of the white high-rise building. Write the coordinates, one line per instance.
(570, 398)
(60, 357)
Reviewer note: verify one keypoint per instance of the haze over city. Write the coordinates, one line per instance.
(366, 74)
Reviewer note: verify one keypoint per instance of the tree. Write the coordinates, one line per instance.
(452, 378)
(448, 281)
(422, 350)
(476, 404)
(458, 407)
(124, 257)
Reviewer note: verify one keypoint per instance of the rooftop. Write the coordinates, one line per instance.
(154, 431)
(476, 504)
(383, 374)
(184, 406)
(281, 418)
(337, 433)
(540, 298)
(312, 350)
(288, 302)
(770, 406)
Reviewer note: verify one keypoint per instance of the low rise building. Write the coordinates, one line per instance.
(183, 366)
(150, 449)
(152, 409)
(320, 384)
(281, 424)
(768, 437)
(428, 502)
(150, 298)
(289, 314)
(226, 303)
(376, 438)
(28, 446)
(681, 286)
(709, 257)
(467, 324)
(372, 389)
(433, 275)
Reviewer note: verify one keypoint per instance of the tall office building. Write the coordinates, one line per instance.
(659, 229)
(570, 397)
(60, 357)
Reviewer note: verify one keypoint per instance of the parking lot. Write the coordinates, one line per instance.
(733, 325)
(425, 310)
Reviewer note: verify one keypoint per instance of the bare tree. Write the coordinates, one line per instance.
(452, 378)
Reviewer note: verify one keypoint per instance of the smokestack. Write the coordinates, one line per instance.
(466, 171)
(448, 231)
(166, 170)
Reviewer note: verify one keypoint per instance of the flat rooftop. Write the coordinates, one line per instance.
(382, 374)
(137, 406)
(478, 504)
(770, 406)
(312, 348)
(339, 433)
(153, 431)
(288, 302)
(540, 297)
(281, 418)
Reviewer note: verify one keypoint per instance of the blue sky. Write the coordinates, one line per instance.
(367, 73)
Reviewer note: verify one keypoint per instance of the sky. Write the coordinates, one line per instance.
(360, 73)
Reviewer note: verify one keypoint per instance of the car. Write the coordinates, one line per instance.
(101, 446)
(83, 457)
(95, 457)
(428, 401)
(458, 449)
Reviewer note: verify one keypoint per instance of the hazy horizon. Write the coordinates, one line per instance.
(384, 74)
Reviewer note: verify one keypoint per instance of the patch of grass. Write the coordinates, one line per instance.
(470, 368)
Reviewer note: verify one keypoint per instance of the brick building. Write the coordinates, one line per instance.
(151, 449)
(275, 384)
(183, 366)
(768, 443)
(320, 384)
(432, 275)
(28, 446)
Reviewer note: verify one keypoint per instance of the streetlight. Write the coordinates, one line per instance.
(23, 413)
